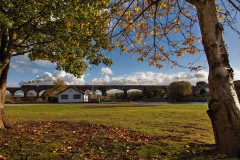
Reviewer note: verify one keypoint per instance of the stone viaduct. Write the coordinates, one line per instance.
(103, 88)
(93, 88)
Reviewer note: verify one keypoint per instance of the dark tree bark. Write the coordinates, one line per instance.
(224, 108)
(5, 55)
(5, 122)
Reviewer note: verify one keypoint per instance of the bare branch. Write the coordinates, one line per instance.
(234, 5)
(120, 17)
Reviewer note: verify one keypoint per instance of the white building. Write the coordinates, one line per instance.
(72, 95)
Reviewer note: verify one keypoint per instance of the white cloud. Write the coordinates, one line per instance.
(22, 67)
(237, 74)
(152, 78)
(12, 84)
(139, 78)
(103, 80)
(23, 64)
(43, 63)
(48, 79)
(106, 70)
(70, 78)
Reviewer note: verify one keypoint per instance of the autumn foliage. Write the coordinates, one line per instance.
(158, 31)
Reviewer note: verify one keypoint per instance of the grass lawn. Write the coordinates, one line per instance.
(108, 131)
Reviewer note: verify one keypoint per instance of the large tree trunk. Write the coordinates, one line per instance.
(6, 44)
(5, 122)
(224, 108)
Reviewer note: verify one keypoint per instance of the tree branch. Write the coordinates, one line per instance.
(234, 5)
(37, 43)
(188, 17)
(121, 17)
(135, 19)
(193, 2)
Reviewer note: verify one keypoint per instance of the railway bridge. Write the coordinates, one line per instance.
(39, 89)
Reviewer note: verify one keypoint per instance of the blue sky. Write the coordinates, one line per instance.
(125, 69)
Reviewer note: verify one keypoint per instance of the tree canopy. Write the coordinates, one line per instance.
(178, 91)
(59, 86)
(68, 33)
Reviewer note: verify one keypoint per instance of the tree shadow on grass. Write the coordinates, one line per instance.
(201, 151)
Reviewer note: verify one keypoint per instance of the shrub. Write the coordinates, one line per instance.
(179, 91)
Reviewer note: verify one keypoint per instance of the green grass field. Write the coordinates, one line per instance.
(111, 131)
